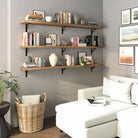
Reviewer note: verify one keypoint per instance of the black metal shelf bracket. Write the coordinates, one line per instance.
(62, 70)
(63, 50)
(92, 50)
(63, 28)
(92, 30)
(92, 68)
(26, 51)
(26, 73)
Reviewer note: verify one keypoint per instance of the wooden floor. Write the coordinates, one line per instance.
(50, 131)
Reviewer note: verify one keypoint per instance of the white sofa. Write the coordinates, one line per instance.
(79, 119)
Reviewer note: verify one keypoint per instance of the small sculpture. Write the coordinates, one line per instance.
(76, 18)
(59, 41)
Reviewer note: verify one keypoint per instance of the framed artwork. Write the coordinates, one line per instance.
(38, 12)
(134, 15)
(53, 38)
(125, 17)
(136, 60)
(88, 59)
(129, 35)
(81, 56)
(126, 55)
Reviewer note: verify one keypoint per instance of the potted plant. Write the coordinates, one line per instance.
(8, 81)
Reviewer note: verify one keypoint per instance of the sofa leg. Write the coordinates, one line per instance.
(117, 137)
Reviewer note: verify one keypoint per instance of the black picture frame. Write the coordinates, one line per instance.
(40, 12)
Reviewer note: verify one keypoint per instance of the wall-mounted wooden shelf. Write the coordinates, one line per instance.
(62, 47)
(63, 26)
(92, 66)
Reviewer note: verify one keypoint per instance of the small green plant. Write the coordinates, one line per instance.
(8, 81)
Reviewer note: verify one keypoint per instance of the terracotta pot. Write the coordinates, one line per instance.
(53, 59)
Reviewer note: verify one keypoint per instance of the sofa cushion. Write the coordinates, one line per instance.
(120, 91)
(134, 93)
(84, 115)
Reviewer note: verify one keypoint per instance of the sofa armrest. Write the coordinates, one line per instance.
(89, 92)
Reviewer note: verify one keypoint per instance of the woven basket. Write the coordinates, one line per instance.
(31, 116)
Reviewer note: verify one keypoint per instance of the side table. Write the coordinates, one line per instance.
(4, 131)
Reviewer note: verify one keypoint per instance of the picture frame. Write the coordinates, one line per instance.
(81, 54)
(126, 55)
(129, 35)
(134, 15)
(53, 38)
(136, 60)
(125, 15)
(39, 12)
(88, 59)
(48, 41)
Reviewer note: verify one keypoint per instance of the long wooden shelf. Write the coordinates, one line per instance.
(61, 47)
(61, 25)
(58, 67)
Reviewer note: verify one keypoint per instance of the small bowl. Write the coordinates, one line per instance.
(49, 18)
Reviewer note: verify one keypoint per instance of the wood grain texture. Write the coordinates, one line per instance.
(58, 67)
(60, 25)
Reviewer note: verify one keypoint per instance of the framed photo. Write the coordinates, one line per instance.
(126, 55)
(41, 13)
(81, 56)
(129, 35)
(48, 42)
(53, 38)
(88, 59)
(134, 15)
(125, 17)
(136, 60)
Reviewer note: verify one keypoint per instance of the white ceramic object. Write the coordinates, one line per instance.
(49, 18)
(53, 59)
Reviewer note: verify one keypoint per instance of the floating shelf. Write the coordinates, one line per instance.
(61, 25)
(92, 66)
(62, 47)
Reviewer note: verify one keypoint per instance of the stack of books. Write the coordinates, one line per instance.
(92, 40)
(30, 39)
(64, 17)
(69, 60)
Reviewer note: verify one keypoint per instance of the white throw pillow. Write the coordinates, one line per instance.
(134, 93)
(106, 85)
(31, 99)
(120, 91)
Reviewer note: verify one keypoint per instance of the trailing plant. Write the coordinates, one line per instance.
(8, 81)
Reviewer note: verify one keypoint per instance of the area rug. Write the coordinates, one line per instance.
(52, 132)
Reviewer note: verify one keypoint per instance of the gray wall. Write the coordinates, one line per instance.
(112, 22)
(59, 88)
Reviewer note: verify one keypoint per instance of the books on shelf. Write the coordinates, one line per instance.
(92, 40)
(30, 39)
(74, 41)
(64, 17)
(69, 60)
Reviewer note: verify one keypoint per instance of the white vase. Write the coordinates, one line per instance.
(53, 59)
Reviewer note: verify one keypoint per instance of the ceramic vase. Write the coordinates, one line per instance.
(76, 18)
(59, 41)
(53, 59)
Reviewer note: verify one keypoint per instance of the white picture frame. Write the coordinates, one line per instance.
(125, 17)
(53, 38)
(38, 12)
(81, 54)
(134, 15)
(129, 35)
